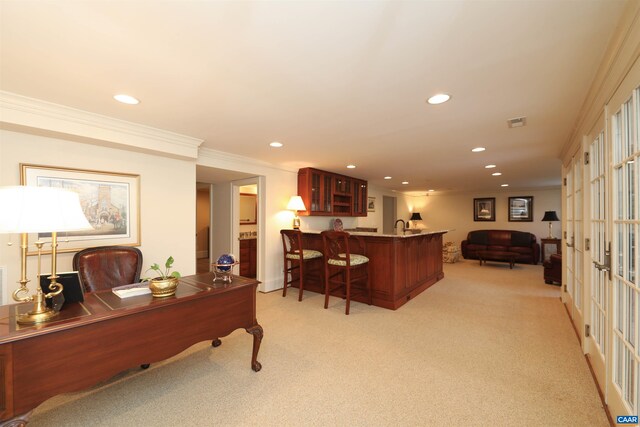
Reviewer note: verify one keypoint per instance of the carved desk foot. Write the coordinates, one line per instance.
(19, 421)
(257, 333)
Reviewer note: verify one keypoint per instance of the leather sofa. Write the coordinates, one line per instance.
(553, 269)
(523, 243)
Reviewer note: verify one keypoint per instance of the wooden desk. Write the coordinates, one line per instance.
(92, 341)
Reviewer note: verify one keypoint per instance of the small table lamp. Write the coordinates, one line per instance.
(296, 204)
(30, 209)
(550, 216)
(415, 216)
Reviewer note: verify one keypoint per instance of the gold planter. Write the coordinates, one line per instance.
(163, 287)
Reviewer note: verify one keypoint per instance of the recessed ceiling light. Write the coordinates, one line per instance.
(496, 173)
(405, 182)
(438, 98)
(351, 166)
(431, 190)
(504, 185)
(276, 144)
(126, 99)
(490, 166)
(478, 149)
(387, 177)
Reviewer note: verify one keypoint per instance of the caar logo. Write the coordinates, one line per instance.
(627, 419)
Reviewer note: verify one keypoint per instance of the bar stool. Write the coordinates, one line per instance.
(338, 257)
(295, 257)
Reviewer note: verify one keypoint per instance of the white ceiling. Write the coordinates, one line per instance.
(336, 82)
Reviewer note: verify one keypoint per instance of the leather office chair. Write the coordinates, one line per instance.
(339, 265)
(108, 266)
(295, 257)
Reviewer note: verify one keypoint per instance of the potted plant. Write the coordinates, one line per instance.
(166, 283)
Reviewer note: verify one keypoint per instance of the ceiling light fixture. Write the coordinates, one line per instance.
(496, 173)
(490, 166)
(504, 185)
(438, 98)
(126, 99)
(405, 182)
(351, 166)
(387, 177)
(431, 190)
(478, 149)
(276, 144)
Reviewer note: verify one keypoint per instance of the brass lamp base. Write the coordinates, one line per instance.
(40, 313)
(33, 317)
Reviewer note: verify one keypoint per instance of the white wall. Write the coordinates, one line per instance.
(455, 212)
(167, 196)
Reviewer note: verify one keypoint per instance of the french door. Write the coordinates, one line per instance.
(596, 304)
(573, 294)
(623, 385)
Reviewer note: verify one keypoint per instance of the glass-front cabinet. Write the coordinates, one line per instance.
(326, 193)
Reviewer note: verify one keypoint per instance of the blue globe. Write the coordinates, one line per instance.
(225, 262)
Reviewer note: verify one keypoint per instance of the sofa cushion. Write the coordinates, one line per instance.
(473, 247)
(500, 238)
(519, 238)
(520, 250)
(479, 237)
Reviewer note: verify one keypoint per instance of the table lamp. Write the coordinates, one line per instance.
(550, 216)
(29, 209)
(296, 204)
(415, 216)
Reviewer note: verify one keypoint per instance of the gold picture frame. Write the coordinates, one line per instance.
(110, 200)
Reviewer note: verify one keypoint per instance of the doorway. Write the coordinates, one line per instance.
(203, 226)
(389, 214)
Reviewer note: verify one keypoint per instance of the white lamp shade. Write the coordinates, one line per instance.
(27, 209)
(296, 204)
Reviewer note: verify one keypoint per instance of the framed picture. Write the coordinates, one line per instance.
(521, 208)
(484, 209)
(371, 204)
(110, 201)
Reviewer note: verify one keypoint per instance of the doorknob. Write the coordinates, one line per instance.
(606, 265)
(570, 245)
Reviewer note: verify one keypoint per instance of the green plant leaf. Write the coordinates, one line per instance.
(169, 262)
(155, 267)
(176, 274)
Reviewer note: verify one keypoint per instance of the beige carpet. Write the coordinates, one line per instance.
(486, 346)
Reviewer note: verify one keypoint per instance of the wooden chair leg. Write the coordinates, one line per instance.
(286, 275)
(326, 285)
(301, 279)
(348, 286)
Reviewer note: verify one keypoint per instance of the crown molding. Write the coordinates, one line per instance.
(224, 160)
(18, 110)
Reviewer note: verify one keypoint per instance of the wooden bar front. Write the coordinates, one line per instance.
(401, 266)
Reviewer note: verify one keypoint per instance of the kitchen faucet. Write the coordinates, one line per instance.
(404, 225)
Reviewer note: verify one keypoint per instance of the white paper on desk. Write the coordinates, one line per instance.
(132, 290)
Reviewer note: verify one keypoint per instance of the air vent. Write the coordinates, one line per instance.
(518, 122)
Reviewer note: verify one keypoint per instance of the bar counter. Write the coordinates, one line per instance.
(402, 266)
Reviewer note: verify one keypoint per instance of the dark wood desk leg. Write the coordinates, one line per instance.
(216, 342)
(257, 333)
(19, 421)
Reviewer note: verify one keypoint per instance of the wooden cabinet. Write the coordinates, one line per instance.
(360, 195)
(248, 257)
(326, 193)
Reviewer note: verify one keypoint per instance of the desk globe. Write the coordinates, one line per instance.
(222, 269)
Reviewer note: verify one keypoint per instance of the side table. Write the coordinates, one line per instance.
(550, 246)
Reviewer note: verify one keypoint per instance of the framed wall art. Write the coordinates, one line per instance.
(110, 201)
(371, 204)
(484, 209)
(521, 209)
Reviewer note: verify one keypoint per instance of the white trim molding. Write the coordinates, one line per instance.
(18, 110)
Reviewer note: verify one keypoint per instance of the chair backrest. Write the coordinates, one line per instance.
(108, 266)
(291, 242)
(336, 243)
